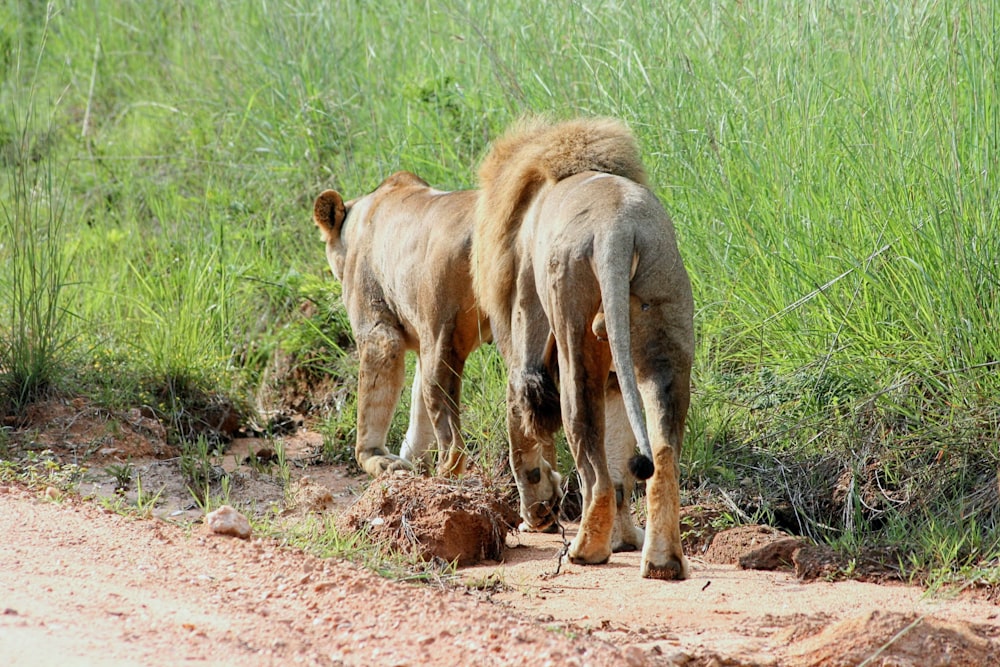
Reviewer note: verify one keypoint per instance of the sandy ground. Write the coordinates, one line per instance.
(82, 585)
(741, 617)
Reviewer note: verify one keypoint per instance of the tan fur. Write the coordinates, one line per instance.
(532, 153)
(402, 256)
(577, 267)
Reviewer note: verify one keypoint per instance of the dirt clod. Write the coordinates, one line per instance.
(776, 555)
(462, 521)
(227, 521)
(882, 639)
(728, 546)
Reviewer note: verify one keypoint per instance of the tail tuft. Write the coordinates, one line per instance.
(538, 402)
(640, 466)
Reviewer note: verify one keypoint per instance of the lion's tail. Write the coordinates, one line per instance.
(535, 152)
(615, 261)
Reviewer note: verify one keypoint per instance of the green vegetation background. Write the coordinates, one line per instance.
(831, 167)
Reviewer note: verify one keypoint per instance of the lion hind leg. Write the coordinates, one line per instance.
(417, 447)
(442, 389)
(381, 377)
(584, 373)
(666, 396)
(662, 554)
(592, 544)
(619, 442)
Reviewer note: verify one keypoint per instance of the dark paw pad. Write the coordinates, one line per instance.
(576, 560)
(667, 572)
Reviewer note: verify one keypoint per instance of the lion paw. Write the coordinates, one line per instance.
(670, 571)
(585, 552)
(525, 527)
(627, 538)
(625, 547)
(378, 464)
(578, 559)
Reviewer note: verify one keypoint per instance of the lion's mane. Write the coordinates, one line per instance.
(536, 151)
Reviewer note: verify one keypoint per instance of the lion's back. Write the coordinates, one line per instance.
(418, 245)
(536, 152)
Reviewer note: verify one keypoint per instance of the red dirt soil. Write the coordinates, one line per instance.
(81, 585)
(84, 586)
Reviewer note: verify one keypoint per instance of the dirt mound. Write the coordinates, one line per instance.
(757, 547)
(882, 639)
(463, 521)
(77, 430)
(728, 546)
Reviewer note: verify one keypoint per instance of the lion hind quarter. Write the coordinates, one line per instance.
(532, 153)
(329, 213)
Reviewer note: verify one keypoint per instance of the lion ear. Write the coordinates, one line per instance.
(328, 213)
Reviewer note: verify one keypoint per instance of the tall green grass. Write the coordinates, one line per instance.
(33, 332)
(832, 170)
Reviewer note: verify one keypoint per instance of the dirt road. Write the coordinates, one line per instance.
(82, 586)
(79, 586)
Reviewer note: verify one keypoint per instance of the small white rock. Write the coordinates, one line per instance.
(227, 521)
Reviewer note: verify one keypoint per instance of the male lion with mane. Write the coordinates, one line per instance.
(401, 254)
(575, 262)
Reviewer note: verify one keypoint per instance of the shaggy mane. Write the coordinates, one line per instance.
(534, 152)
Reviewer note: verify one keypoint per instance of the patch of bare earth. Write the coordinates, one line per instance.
(461, 522)
(83, 585)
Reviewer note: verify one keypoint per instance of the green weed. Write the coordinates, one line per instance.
(123, 473)
(41, 470)
(32, 247)
(198, 467)
(319, 536)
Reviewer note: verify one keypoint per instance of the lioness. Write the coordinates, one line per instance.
(576, 263)
(402, 256)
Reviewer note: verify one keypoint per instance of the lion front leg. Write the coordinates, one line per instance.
(532, 452)
(381, 376)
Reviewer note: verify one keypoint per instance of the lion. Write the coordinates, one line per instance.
(401, 254)
(576, 264)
